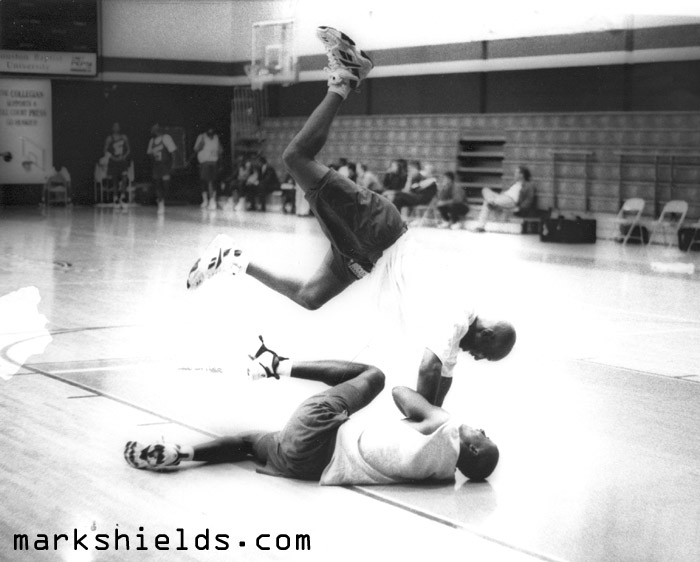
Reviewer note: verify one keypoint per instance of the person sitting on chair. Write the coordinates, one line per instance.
(58, 177)
(118, 152)
(452, 202)
(518, 196)
(421, 187)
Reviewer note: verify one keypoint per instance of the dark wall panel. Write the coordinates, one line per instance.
(439, 93)
(83, 113)
(665, 86)
(598, 88)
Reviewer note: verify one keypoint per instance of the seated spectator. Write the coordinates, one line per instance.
(367, 179)
(452, 202)
(352, 171)
(118, 153)
(260, 184)
(58, 177)
(395, 176)
(343, 168)
(517, 195)
(421, 188)
(289, 195)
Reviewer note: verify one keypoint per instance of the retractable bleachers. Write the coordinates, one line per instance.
(580, 162)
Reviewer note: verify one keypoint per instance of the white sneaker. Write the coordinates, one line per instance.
(347, 65)
(152, 456)
(456, 226)
(212, 204)
(221, 256)
(263, 364)
(161, 207)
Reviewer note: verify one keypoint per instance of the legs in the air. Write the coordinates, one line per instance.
(347, 68)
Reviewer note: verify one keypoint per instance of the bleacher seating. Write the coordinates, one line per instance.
(653, 155)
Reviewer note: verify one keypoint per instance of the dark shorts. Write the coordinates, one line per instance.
(207, 171)
(117, 168)
(305, 446)
(359, 223)
(161, 170)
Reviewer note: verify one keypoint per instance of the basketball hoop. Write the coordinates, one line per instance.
(256, 79)
(27, 165)
(272, 58)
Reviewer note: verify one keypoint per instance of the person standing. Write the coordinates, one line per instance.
(208, 149)
(161, 148)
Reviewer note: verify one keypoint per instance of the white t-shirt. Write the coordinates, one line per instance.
(209, 151)
(514, 191)
(430, 302)
(391, 452)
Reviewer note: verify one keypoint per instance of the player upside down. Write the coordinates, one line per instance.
(367, 236)
(322, 441)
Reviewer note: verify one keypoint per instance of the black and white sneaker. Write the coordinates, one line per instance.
(152, 456)
(347, 66)
(221, 256)
(263, 364)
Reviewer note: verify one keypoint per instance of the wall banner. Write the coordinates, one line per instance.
(25, 131)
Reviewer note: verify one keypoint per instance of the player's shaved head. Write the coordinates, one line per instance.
(489, 339)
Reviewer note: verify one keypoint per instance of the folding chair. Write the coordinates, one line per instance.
(629, 217)
(55, 191)
(696, 236)
(99, 178)
(671, 217)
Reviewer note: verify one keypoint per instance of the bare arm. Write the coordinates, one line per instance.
(431, 384)
(425, 417)
(199, 144)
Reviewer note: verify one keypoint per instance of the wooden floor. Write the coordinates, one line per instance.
(596, 411)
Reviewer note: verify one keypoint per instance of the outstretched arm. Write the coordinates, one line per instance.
(425, 417)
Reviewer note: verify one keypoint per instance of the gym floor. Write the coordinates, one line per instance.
(596, 411)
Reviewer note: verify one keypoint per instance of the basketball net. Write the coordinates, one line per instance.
(272, 54)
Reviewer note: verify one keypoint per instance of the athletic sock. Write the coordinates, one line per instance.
(284, 368)
(186, 452)
(342, 89)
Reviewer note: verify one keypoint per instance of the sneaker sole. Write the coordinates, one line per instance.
(323, 31)
(210, 263)
(335, 39)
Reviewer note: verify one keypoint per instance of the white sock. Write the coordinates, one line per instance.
(187, 452)
(342, 89)
(284, 369)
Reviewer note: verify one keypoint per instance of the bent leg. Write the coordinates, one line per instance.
(358, 391)
(310, 294)
(234, 448)
(300, 155)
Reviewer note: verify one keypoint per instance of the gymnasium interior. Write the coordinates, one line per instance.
(596, 412)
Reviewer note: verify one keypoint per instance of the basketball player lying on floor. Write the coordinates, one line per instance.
(366, 234)
(322, 441)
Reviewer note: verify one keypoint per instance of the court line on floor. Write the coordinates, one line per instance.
(404, 507)
(670, 318)
(632, 369)
(451, 523)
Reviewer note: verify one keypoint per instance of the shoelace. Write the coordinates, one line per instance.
(333, 63)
